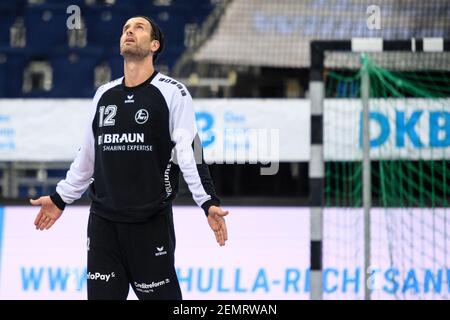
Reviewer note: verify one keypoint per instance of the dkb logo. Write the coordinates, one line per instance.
(413, 125)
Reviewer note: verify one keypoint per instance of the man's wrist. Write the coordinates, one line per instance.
(208, 204)
(58, 201)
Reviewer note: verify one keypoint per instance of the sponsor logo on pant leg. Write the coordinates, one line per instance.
(148, 287)
(99, 276)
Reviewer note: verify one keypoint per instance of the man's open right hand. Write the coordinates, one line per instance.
(48, 214)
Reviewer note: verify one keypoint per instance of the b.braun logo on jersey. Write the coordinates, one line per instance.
(141, 116)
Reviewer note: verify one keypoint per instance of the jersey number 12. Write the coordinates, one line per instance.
(107, 116)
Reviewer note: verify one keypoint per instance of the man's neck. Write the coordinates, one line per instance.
(136, 72)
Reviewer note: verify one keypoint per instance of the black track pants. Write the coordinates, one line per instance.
(140, 254)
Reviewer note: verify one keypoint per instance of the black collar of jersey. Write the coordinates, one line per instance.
(139, 85)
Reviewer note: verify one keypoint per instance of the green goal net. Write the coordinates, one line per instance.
(409, 116)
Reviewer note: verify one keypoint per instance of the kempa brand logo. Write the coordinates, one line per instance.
(88, 244)
(130, 99)
(167, 183)
(160, 251)
(99, 276)
(141, 116)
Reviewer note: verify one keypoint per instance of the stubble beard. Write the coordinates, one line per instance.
(134, 53)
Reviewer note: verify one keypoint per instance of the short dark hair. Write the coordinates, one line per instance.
(156, 34)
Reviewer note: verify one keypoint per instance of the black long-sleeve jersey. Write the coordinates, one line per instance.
(137, 140)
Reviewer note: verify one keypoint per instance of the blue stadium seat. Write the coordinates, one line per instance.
(46, 26)
(27, 191)
(16, 5)
(115, 62)
(56, 173)
(200, 9)
(136, 6)
(170, 56)
(104, 24)
(12, 63)
(8, 15)
(4, 83)
(80, 3)
(172, 21)
(73, 72)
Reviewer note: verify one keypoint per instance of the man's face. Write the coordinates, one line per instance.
(136, 40)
